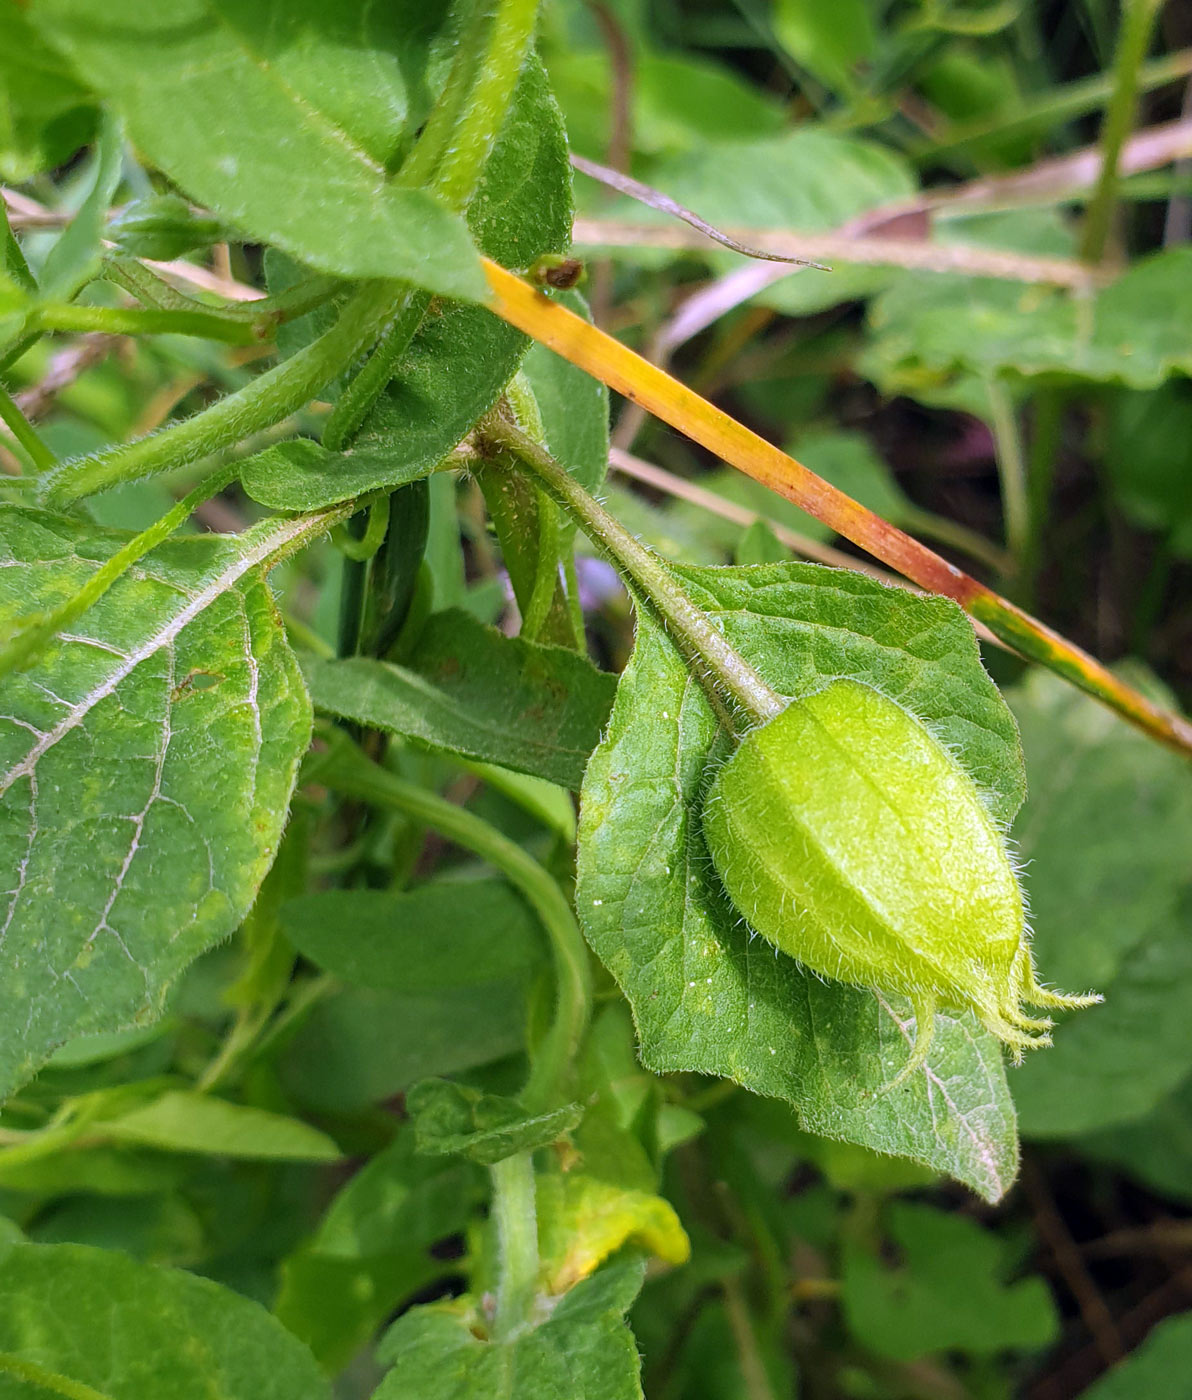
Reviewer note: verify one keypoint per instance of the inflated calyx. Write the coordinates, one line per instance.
(850, 838)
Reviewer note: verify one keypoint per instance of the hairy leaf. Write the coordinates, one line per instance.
(283, 123)
(146, 764)
(704, 995)
(486, 1128)
(583, 1351)
(92, 1318)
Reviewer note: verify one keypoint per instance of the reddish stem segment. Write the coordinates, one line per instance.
(644, 383)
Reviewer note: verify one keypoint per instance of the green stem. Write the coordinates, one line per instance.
(362, 548)
(477, 127)
(151, 290)
(1044, 449)
(346, 769)
(730, 680)
(753, 1368)
(259, 405)
(45, 1379)
(516, 1219)
(1134, 37)
(1010, 465)
(360, 395)
(39, 455)
(138, 320)
(33, 634)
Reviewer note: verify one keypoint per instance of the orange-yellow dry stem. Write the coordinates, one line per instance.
(659, 393)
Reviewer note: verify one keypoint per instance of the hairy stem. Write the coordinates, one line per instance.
(731, 680)
(516, 1219)
(260, 404)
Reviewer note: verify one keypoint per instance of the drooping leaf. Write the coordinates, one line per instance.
(470, 690)
(372, 1249)
(486, 1128)
(281, 122)
(704, 996)
(77, 1320)
(946, 1293)
(584, 1350)
(183, 1121)
(446, 933)
(1105, 834)
(583, 1221)
(522, 207)
(146, 764)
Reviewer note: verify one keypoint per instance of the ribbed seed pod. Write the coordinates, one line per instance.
(850, 838)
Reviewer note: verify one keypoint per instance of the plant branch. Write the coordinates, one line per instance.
(39, 455)
(730, 679)
(516, 1219)
(1134, 37)
(346, 769)
(260, 404)
(620, 368)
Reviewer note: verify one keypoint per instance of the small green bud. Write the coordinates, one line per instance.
(162, 227)
(851, 839)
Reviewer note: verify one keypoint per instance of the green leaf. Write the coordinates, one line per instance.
(283, 119)
(945, 1294)
(1158, 1370)
(446, 933)
(452, 374)
(573, 405)
(584, 1351)
(679, 102)
(77, 252)
(361, 1046)
(470, 690)
(1157, 1149)
(704, 996)
(831, 42)
(522, 207)
(146, 763)
(183, 1121)
(45, 112)
(75, 1319)
(486, 1128)
(1105, 834)
(930, 327)
(1147, 435)
(372, 1249)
